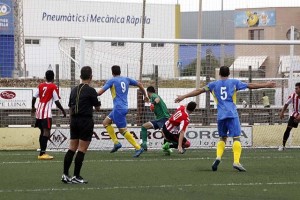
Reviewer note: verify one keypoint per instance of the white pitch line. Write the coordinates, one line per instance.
(114, 160)
(142, 160)
(147, 187)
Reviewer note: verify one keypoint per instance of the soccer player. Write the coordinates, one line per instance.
(294, 118)
(265, 100)
(119, 86)
(161, 112)
(175, 128)
(224, 92)
(82, 100)
(48, 93)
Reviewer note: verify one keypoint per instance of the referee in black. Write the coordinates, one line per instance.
(82, 100)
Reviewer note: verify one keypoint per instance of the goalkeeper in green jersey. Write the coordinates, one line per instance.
(161, 112)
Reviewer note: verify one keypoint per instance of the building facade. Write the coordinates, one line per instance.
(47, 23)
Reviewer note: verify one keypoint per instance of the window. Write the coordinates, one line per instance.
(32, 41)
(157, 44)
(257, 34)
(117, 44)
(35, 41)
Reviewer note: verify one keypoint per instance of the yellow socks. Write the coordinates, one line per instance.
(237, 151)
(220, 149)
(112, 134)
(131, 140)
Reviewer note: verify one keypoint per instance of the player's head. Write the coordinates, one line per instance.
(150, 89)
(191, 106)
(297, 88)
(86, 73)
(224, 71)
(49, 76)
(116, 70)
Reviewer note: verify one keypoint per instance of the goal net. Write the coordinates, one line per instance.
(176, 67)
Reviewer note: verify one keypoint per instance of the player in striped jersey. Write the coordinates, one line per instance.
(294, 118)
(48, 93)
(224, 92)
(175, 128)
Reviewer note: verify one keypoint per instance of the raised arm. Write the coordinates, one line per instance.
(269, 84)
(190, 94)
(141, 87)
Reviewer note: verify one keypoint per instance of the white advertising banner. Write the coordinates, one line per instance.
(15, 98)
(52, 18)
(200, 137)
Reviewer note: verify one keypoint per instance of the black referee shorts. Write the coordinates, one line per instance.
(82, 128)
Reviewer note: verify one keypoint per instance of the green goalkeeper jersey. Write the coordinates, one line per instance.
(160, 109)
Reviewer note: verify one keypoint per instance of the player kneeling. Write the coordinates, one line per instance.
(175, 128)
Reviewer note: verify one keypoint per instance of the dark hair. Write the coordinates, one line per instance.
(224, 71)
(151, 89)
(116, 70)
(297, 84)
(86, 73)
(49, 75)
(191, 106)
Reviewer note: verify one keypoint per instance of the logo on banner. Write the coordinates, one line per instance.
(57, 138)
(7, 95)
(4, 9)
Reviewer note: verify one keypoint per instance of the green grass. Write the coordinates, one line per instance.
(270, 175)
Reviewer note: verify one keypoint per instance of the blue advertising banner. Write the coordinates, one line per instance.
(6, 38)
(255, 18)
(6, 17)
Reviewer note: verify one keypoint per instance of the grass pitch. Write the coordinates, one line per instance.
(270, 175)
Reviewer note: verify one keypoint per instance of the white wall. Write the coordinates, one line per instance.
(41, 22)
(160, 21)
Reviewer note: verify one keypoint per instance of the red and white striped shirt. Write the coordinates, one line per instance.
(294, 99)
(48, 93)
(179, 121)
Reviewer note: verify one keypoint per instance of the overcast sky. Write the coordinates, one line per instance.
(193, 5)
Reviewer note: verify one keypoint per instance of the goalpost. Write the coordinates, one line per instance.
(170, 66)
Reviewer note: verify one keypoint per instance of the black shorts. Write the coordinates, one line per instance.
(172, 137)
(43, 123)
(82, 128)
(292, 123)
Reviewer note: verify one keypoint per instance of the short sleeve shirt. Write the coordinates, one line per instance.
(119, 86)
(224, 92)
(82, 100)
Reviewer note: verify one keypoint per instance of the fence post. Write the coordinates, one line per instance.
(57, 75)
(156, 78)
(250, 98)
(72, 84)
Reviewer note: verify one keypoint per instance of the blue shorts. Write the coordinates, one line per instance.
(158, 124)
(229, 127)
(118, 116)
